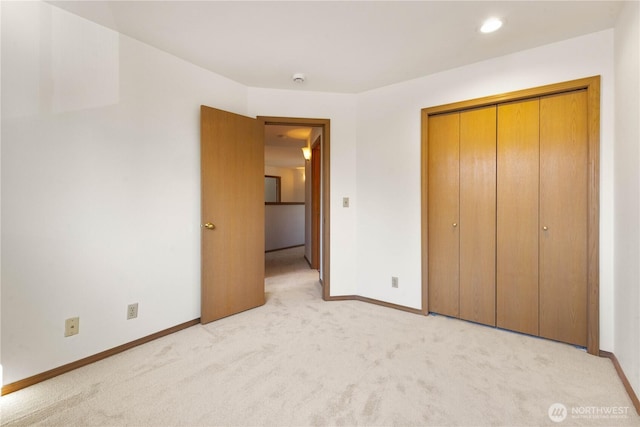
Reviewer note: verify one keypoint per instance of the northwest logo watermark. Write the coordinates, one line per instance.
(559, 412)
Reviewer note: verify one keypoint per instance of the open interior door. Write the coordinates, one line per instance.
(232, 167)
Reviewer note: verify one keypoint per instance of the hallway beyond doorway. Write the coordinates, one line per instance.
(288, 261)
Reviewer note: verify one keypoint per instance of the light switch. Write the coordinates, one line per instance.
(345, 202)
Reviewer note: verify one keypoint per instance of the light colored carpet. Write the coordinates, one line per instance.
(301, 361)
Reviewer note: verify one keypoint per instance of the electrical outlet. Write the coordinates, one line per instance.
(71, 326)
(132, 311)
(394, 282)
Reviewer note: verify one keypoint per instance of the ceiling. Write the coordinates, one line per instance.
(283, 145)
(342, 46)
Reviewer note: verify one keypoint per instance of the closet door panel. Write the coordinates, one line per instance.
(443, 211)
(517, 216)
(478, 215)
(563, 217)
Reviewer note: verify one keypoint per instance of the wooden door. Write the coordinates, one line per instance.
(315, 204)
(517, 216)
(443, 213)
(232, 167)
(477, 226)
(563, 217)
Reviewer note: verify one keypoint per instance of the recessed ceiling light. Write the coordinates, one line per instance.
(491, 25)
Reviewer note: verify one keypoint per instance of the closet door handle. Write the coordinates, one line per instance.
(455, 224)
(545, 228)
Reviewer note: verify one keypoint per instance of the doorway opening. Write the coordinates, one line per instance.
(304, 191)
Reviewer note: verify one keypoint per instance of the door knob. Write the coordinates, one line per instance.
(209, 226)
(455, 224)
(545, 228)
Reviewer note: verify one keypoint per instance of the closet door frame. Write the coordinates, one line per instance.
(592, 86)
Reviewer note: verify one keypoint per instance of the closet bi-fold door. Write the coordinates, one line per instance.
(563, 217)
(518, 158)
(510, 235)
(443, 211)
(461, 203)
(477, 225)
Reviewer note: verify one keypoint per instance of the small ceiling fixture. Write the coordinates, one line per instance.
(298, 77)
(491, 25)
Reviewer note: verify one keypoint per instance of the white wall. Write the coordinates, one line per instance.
(100, 186)
(283, 226)
(341, 110)
(291, 183)
(298, 189)
(627, 193)
(388, 159)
